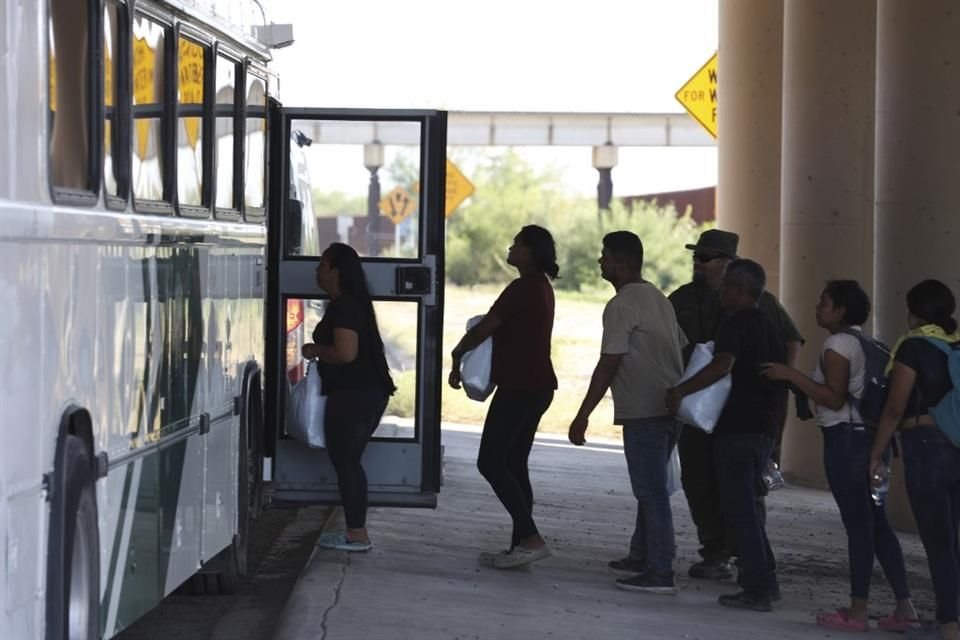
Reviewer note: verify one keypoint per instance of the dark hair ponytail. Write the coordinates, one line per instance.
(933, 302)
(353, 282)
(543, 249)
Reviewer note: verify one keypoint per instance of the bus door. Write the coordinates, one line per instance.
(373, 180)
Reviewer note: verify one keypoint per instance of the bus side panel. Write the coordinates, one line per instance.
(20, 516)
(181, 467)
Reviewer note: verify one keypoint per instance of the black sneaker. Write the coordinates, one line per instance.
(649, 582)
(626, 567)
(743, 600)
(711, 570)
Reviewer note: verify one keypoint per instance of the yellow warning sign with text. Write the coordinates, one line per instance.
(144, 87)
(699, 96)
(191, 84)
(397, 205)
(459, 189)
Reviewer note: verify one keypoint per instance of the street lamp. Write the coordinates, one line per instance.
(604, 160)
(373, 160)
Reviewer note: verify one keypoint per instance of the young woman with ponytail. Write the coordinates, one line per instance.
(521, 323)
(919, 379)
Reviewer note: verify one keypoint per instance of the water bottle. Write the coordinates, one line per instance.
(772, 477)
(880, 484)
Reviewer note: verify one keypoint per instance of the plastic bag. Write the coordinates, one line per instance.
(475, 367)
(306, 410)
(702, 409)
(673, 472)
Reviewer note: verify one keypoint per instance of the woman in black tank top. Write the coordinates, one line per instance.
(931, 463)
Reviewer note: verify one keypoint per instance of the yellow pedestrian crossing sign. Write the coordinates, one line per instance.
(397, 205)
(699, 96)
(459, 188)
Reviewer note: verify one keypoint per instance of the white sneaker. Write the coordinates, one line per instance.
(489, 558)
(519, 556)
(340, 542)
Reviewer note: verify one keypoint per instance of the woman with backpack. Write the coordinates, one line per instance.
(836, 387)
(919, 380)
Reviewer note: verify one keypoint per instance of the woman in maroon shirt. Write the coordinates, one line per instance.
(521, 323)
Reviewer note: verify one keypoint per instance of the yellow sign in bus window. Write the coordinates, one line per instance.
(191, 84)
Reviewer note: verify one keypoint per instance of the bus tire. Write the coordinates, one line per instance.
(252, 425)
(235, 556)
(73, 570)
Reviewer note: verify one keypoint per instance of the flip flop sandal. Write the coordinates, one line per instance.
(894, 622)
(840, 620)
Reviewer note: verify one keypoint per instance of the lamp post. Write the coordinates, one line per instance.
(373, 160)
(604, 160)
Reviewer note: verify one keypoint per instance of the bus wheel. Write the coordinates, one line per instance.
(73, 589)
(235, 556)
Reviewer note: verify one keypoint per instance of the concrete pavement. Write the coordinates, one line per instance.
(421, 581)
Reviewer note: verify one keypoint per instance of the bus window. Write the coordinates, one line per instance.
(190, 134)
(255, 156)
(365, 195)
(114, 45)
(226, 127)
(149, 108)
(71, 100)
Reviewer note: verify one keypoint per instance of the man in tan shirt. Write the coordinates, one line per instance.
(640, 358)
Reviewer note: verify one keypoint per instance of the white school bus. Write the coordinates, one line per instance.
(159, 228)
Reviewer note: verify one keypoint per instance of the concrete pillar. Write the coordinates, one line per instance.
(748, 118)
(918, 162)
(826, 226)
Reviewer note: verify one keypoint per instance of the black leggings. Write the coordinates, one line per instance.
(352, 415)
(508, 434)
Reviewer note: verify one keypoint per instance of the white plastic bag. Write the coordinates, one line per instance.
(306, 409)
(673, 472)
(702, 409)
(475, 367)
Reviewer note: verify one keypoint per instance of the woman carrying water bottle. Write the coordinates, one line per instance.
(919, 379)
(839, 376)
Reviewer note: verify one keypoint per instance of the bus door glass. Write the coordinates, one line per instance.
(373, 180)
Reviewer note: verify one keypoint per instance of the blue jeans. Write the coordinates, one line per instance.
(740, 460)
(647, 445)
(932, 471)
(846, 458)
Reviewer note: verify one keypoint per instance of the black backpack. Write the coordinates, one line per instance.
(876, 383)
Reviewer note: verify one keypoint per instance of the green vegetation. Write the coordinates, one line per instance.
(510, 193)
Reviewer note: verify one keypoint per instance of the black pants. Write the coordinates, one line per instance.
(739, 460)
(932, 473)
(699, 479)
(508, 433)
(352, 415)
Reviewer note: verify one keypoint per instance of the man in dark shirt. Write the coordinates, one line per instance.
(699, 314)
(747, 427)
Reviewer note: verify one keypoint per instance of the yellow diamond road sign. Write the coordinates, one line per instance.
(397, 205)
(699, 96)
(459, 188)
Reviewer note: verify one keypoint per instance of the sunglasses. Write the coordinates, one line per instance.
(706, 257)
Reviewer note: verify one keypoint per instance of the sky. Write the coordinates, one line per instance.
(510, 55)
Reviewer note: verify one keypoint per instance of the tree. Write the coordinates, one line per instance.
(510, 193)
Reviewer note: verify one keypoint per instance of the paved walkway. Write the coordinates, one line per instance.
(421, 581)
